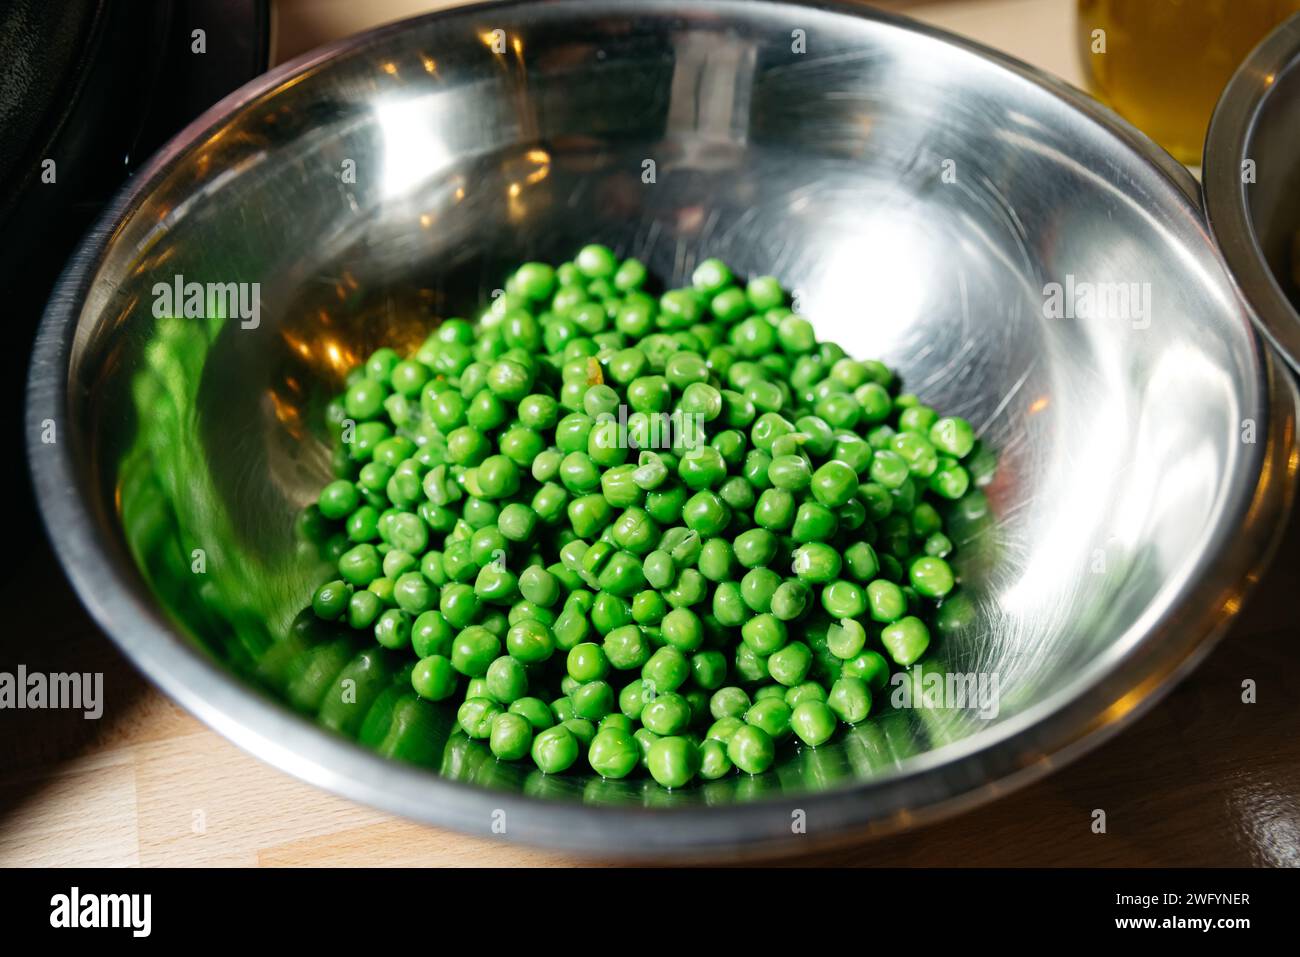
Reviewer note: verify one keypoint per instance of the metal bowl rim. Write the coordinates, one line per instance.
(1232, 129)
(1057, 729)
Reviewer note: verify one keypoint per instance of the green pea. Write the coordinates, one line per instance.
(684, 545)
(587, 662)
(808, 691)
(871, 667)
(648, 607)
(467, 446)
(364, 399)
(723, 728)
(609, 611)
(533, 710)
(711, 276)
(633, 698)
(846, 638)
(816, 562)
(729, 605)
(477, 715)
(506, 679)
(885, 600)
(850, 699)
(728, 702)
(834, 483)
(771, 714)
(709, 669)
(949, 480)
(716, 560)
(625, 648)
(906, 639)
(758, 587)
(889, 469)
(393, 629)
(496, 584)
(682, 629)
(539, 586)
(917, 418)
(331, 600)
(714, 762)
(596, 261)
(938, 545)
(789, 472)
(673, 762)
(750, 665)
(363, 608)
(382, 588)
(764, 293)
(861, 562)
(409, 533)
(789, 665)
(360, 565)
(562, 708)
(952, 436)
(844, 599)
(668, 714)
(473, 649)
(434, 678)
(554, 750)
(380, 364)
(535, 280)
(755, 547)
(593, 700)
(413, 593)
(616, 720)
(813, 721)
(511, 737)
(765, 634)
(622, 575)
(931, 577)
(775, 509)
(690, 588)
(614, 753)
(751, 749)
(588, 514)
(635, 531)
(789, 600)
(510, 380)
(917, 452)
(667, 506)
(705, 513)
(530, 641)
(666, 670)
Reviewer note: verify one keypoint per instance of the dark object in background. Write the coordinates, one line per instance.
(95, 86)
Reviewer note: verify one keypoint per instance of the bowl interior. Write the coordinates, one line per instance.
(1007, 254)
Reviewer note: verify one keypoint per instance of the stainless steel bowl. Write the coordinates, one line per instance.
(922, 194)
(1252, 180)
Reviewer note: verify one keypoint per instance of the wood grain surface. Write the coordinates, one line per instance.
(1040, 32)
(1202, 779)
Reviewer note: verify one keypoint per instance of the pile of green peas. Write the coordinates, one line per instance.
(670, 531)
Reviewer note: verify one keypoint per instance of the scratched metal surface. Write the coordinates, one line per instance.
(1109, 546)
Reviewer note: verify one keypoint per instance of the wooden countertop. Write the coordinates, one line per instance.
(1203, 779)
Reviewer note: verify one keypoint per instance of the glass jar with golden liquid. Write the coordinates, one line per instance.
(1161, 64)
